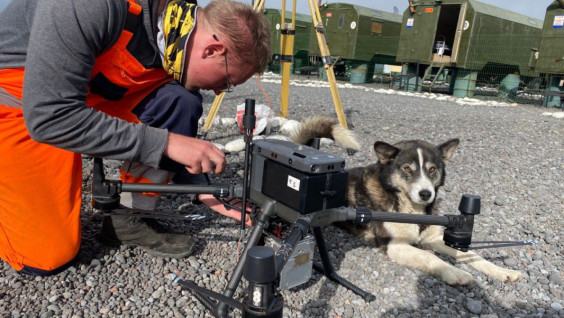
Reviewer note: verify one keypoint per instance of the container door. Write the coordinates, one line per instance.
(459, 29)
(418, 32)
(341, 38)
(274, 19)
(350, 32)
(445, 34)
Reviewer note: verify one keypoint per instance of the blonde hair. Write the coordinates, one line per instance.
(245, 32)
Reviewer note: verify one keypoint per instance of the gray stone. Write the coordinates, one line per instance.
(474, 306)
(120, 258)
(500, 200)
(555, 278)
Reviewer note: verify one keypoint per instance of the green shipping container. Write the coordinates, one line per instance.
(467, 34)
(550, 56)
(302, 31)
(359, 33)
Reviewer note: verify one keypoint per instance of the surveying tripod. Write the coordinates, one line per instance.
(287, 31)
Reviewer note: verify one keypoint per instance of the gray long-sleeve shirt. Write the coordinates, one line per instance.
(57, 42)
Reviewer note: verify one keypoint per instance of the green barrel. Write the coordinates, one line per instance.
(443, 76)
(465, 84)
(405, 82)
(322, 73)
(552, 98)
(508, 86)
(274, 67)
(298, 63)
(358, 74)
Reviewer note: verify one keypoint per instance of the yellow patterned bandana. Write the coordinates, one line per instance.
(178, 23)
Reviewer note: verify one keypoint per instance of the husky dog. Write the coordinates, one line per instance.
(405, 179)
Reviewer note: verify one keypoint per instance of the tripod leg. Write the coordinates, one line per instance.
(287, 32)
(213, 112)
(327, 269)
(259, 5)
(327, 60)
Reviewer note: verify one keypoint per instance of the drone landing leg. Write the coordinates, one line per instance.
(238, 272)
(327, 269)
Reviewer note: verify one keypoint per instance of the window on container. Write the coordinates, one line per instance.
(341, 20)
(376, 27)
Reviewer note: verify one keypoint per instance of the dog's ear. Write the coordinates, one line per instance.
(385, 152)
(448, 148)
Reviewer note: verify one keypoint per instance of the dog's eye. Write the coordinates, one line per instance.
(432, 169)
(407, 169)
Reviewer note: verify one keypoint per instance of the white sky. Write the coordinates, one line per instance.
(3, 3)
(532, 8)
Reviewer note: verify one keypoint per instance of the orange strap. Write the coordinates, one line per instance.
(12, 81)
(118, 68)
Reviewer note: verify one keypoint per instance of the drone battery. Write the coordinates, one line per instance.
(303, 192)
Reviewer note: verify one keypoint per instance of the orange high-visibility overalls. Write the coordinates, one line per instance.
(40, 187)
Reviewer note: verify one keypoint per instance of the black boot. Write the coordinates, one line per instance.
(130, 230)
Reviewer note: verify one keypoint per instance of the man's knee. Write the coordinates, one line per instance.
(52, 260)
(32, 271)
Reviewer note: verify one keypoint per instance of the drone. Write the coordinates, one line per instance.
(302, 186)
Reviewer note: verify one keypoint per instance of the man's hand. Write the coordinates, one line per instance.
(199, 156)
(218, 207)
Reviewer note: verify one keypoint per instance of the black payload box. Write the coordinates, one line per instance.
(303, 178)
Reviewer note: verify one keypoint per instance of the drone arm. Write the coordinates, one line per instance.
(298, 231)
(362, 215)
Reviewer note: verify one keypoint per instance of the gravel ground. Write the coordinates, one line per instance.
(511, 156)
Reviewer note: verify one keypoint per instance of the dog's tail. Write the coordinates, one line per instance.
(324, 127)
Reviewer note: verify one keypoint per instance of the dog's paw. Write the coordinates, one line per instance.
(507, 275)
(503, 274)
(454, 276)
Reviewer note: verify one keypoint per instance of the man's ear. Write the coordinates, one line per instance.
(213, 49)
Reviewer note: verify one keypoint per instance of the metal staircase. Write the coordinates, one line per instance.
(431, 77)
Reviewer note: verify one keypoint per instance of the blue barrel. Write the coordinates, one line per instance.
(508, 86)
(465, 84)
(358, 74)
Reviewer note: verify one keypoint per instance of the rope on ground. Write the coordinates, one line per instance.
(265, 94)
